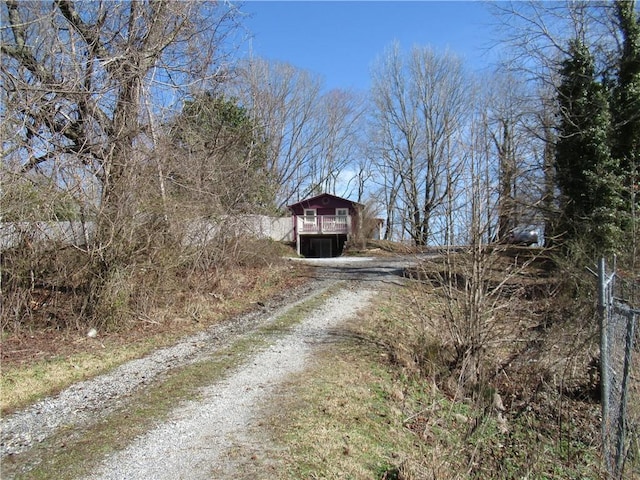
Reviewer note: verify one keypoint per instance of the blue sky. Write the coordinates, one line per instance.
(340, 39)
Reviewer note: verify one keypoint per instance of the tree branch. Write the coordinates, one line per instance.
(21, 51)
(87, 32)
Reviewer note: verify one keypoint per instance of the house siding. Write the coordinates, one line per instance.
(324, 205)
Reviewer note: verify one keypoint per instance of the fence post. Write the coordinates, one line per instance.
(624, 390)
(603, 309)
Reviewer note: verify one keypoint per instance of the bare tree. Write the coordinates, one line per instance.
(387, 186)
(341, 113)
(506, 111)
(76, 74)
(83, 82)
(541, 130)
(420, 102)
(469, 294)
(310, 134)
(283, 102)
(538, 34)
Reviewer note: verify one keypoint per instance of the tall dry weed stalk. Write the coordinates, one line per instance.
(473, 298)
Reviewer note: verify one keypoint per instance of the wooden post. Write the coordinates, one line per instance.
(297, 227)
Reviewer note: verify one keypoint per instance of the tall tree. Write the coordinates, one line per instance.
(545, 126)
(84, 83)
(505, 113)
(335, 168)
(310, 134)
(586, 170)
(283, 101)
(539, 36)
(420, 102)
(626, 99)
(76, 74)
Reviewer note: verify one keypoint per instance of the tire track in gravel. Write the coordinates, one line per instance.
(85, 403)
(192, 442)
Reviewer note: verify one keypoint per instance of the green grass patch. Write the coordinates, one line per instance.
(73, 452)
(341, 418)
(342, 424)
(23, 385)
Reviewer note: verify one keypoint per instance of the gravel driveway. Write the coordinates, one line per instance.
(190, 443)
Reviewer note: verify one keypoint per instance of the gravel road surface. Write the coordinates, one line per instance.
(192, 441)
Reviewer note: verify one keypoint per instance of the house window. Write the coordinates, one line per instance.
(309, 215)
(342, 212)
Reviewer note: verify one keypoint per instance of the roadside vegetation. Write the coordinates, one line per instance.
(73, 452)
(47, 355)
(396, 394)
(390, 398)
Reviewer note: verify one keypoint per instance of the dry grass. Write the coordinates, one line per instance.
(356, 414)
(379, 248)
(382, 401)
(40, 362)
(334, 420)
(538, 345)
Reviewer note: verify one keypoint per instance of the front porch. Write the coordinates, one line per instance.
(321, 236)
(323, 224)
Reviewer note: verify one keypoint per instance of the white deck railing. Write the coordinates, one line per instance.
(324, 224)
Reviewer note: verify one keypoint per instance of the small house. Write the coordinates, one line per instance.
(322, 224)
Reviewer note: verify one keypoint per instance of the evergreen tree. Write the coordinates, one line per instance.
(626, 99)
(221, 158)
(586, 169)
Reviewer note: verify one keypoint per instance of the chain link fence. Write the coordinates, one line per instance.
(619, 373)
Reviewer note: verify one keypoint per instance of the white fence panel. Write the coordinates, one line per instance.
(70, 233)
(197, 232)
